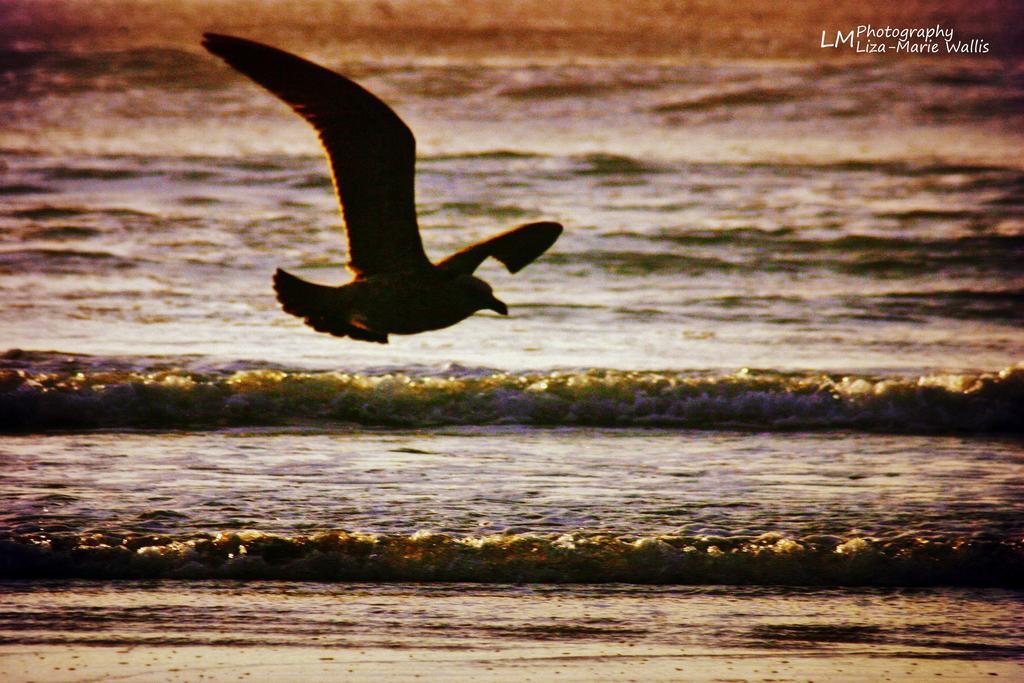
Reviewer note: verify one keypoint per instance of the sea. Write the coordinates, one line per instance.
(765, 394)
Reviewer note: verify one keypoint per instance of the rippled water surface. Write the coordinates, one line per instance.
(503, 481)
(748, 245)
(562, 505)
(840, 236)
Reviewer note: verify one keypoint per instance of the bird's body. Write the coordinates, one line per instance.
(396, 289)
(396, 302)
(391, 303)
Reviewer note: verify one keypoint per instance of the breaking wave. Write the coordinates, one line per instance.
(40, 392)
(768, 559)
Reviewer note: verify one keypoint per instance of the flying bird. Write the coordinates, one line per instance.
(372, 152)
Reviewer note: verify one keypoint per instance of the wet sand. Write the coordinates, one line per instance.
(79, 631)
(537, 662)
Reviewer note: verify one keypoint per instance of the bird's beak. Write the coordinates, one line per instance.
(498, 306)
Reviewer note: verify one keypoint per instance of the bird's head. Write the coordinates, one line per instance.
(480, 296)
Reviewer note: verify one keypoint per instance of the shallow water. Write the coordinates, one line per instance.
(744, 250)
(468, 617)
(561, 505)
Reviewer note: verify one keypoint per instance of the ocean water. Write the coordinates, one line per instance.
(777, 353)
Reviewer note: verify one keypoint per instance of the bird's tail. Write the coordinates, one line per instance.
(325, 309)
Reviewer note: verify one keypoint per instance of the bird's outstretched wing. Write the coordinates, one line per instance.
(515, 248)
(372, 151)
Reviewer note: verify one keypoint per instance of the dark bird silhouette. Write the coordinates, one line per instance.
(396, 289)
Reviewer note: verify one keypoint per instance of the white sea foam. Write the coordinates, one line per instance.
(942, 403)
(501, 558)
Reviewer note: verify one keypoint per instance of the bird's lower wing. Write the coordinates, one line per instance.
(516, 248)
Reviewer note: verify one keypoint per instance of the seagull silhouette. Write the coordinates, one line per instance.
(395, 289)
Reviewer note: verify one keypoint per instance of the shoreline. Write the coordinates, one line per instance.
(173, 630)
